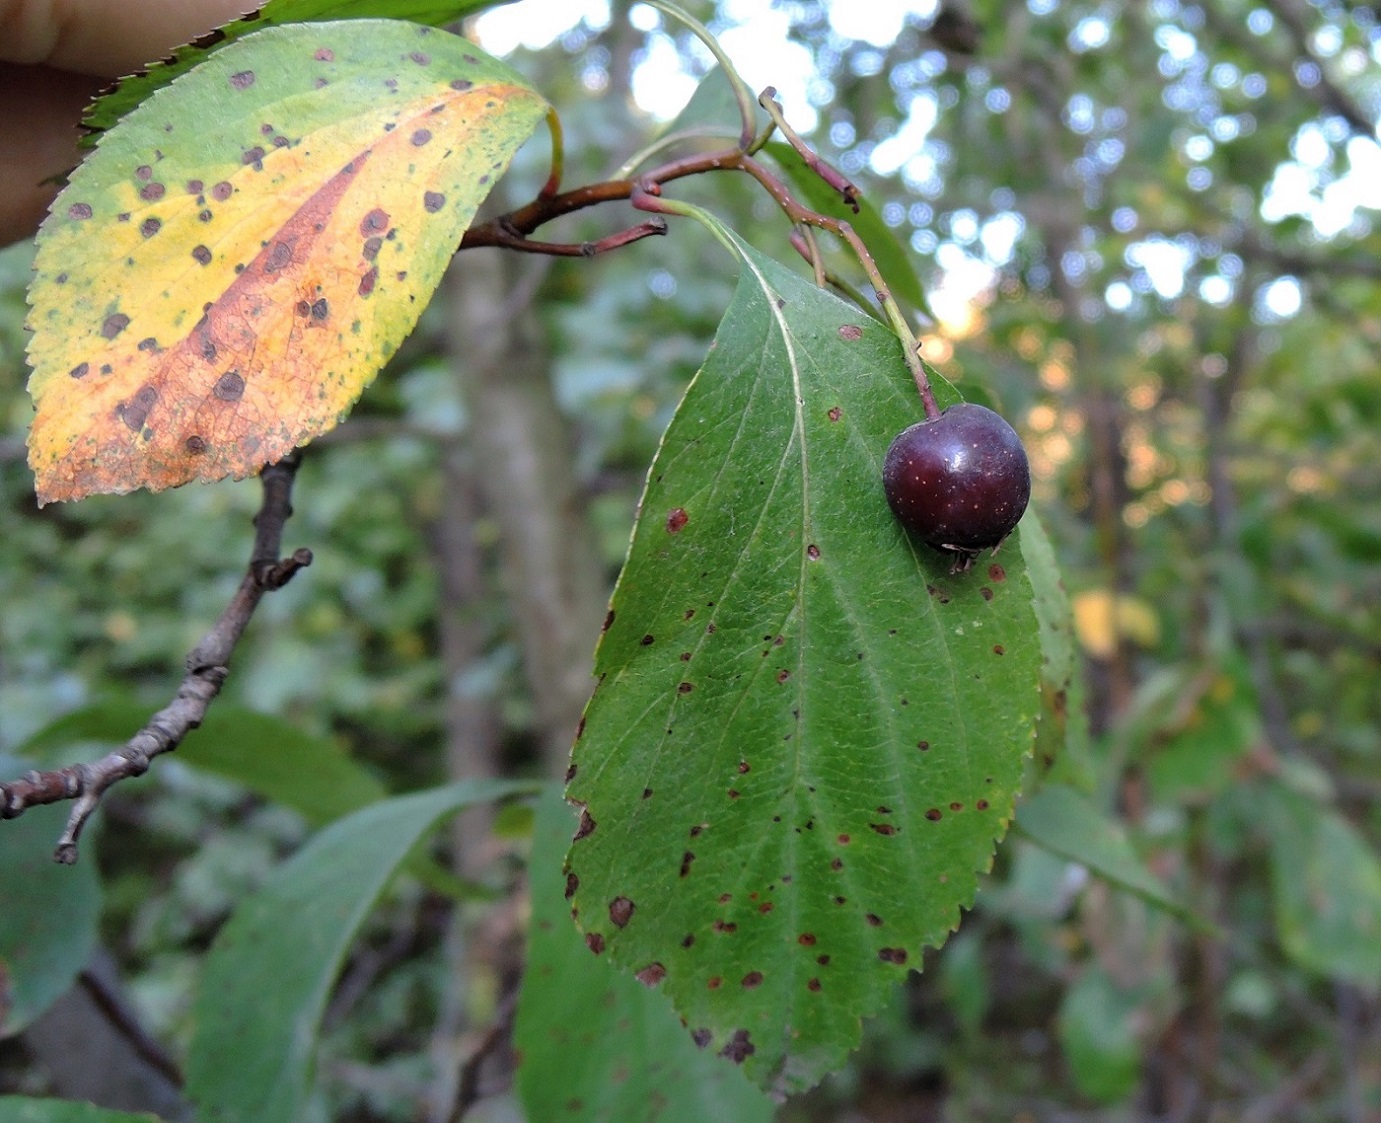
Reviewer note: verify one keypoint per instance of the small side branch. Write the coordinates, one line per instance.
(207, 667)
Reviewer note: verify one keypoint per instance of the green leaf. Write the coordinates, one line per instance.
(1064, 822)
(891, 257)
(107, 109)
(269, 756)
(48, 913)
(807, 732)
(21, 1109)
(1062, 741)
(1326, 886)
(1098, 1036)
(595, 1044)
(270, 971)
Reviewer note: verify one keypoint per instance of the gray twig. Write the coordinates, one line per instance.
(207, 667)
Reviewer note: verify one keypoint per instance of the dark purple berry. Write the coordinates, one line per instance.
(960, 481)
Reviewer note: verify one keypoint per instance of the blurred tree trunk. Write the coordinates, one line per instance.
(525, 466)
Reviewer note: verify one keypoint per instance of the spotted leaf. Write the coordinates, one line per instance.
(808, 733)
(241, 254)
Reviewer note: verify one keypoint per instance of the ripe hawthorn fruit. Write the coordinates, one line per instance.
(960, 481)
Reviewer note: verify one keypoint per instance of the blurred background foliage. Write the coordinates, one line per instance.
(1146, 231)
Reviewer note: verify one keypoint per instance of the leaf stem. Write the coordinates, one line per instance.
(742, 94)
(558, 156)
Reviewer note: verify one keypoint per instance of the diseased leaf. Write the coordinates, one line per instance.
(807, 733)
(1062, 741)
(129, 92)
(270, 971)
(595, 1044)
(245, 250)
(48, 913)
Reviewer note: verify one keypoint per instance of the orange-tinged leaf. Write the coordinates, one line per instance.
(242, 253)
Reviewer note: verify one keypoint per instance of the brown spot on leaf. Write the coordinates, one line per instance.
(701, 1037)
(783, 675)
(844, 839)
(621, 911)
(433, 201)
(114, 324)
(150, 226)
(243, 80)
(367, 281)
(686, 859)
(375, 221)
(419, 57)
(982, 805)
(892, 955)
(934, 815)
(195, 445)
(651, 975)
(874, 921)
(201, 255)
(998, 649)
(371, 248)
(461, 83)
(253, 157)
(320, 309)
(996, 572)
(586, 826)
(420, 137)
(80, 370)
(883, 828)
(684, 688)
(147, 344)
(739, 1048)
(79, 211)
(924, 746)
(806, 939)
(608, 621)
(136, 411)
(714, 982)
(595, 942)
(986, 593)
(676, 519)
(851, 332)
(222, 191)
(812, 984)
(813, 552)
(280, 257)
(572, 884)
(752, 979)
(324, 54)
(152, 192)
(835, 413)
(647, 792)
(230, 387)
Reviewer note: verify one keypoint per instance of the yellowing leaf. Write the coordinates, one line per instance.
(244, 251)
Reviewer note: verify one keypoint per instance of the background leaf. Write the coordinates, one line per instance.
(268, 755)
(21, 1109)
(48, 913)
(271, 969)
(1098, 1037)
(807, 732)
(596, 1044)
(1326, 885)
(238, 258)
(130, 91)
(1064, 822)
